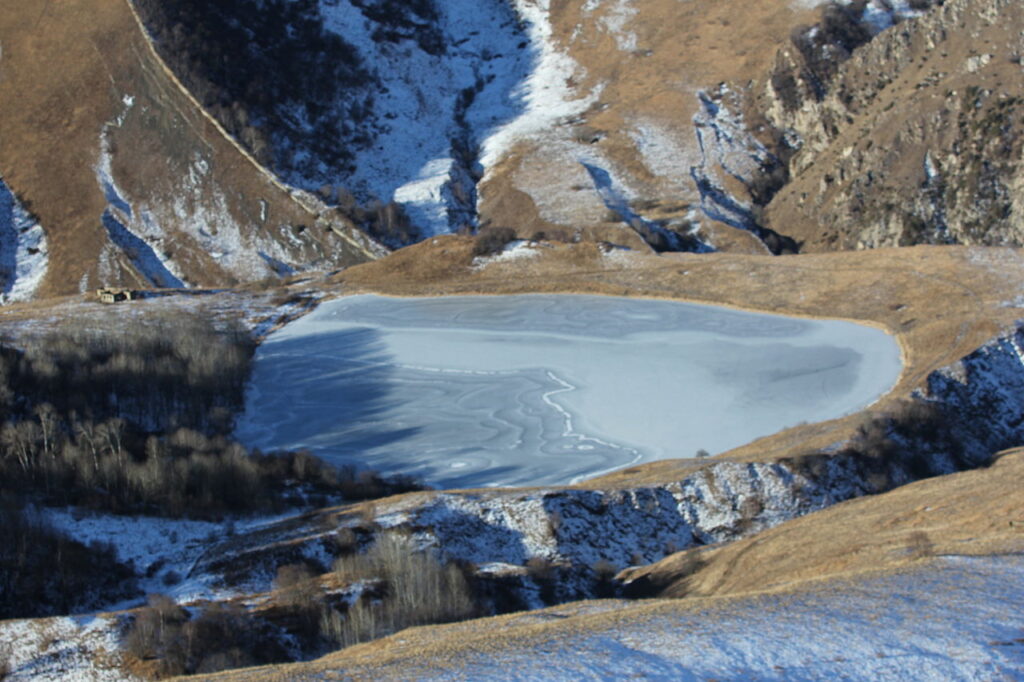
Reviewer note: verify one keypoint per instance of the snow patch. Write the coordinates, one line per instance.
(725, 146)
(617, 201)
(519, 249)
(159, 546)
(616, 18)
(194, 211)
(431, 111)
(137, 235)
(882, 14)
(24, 256)
(955, 619)
(663, 153)
(547, 92)
(60, 649)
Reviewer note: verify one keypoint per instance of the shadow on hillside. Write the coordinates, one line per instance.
(477, 537)
(326, 393)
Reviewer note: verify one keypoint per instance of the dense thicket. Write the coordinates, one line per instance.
(45, 573)
(155, 374)
(218, 637)
(913, 440)
(137, 419)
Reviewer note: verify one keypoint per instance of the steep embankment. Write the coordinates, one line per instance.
(382, 103)
(971, 513)
(920, 581)
(419, 119)
(130, 180)
(429, 117)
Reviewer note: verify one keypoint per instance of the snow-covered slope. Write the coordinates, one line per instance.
(194, 217)
(448, 108)
(435, 103)
(59, 649)
(954, 619)
(23, 252)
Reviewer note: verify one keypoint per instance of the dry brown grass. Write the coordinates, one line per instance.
(681, 47)
(971, 513)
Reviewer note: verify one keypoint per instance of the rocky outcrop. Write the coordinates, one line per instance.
(912, 137)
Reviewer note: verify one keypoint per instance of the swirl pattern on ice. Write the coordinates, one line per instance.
(548, 389)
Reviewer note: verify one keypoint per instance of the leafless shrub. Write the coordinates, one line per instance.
(345, 540)
(6, 657)
(221, 636)
(156, 633)
(604, 578)
(388, 223)
(604, 568)
(291, 581)
(919, 545)
(418, 589)
(491, 240)
(554, 522)
(297, 590)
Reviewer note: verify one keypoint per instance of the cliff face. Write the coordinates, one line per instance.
(915, 137)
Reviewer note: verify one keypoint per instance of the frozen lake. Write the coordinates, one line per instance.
(475, 391)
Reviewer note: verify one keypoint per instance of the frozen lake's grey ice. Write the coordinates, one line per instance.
(474, 391)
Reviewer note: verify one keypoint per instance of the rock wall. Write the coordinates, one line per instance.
(913, 137)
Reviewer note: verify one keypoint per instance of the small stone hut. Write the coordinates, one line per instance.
(108, 295)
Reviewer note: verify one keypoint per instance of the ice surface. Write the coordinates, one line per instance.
(545, 389)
